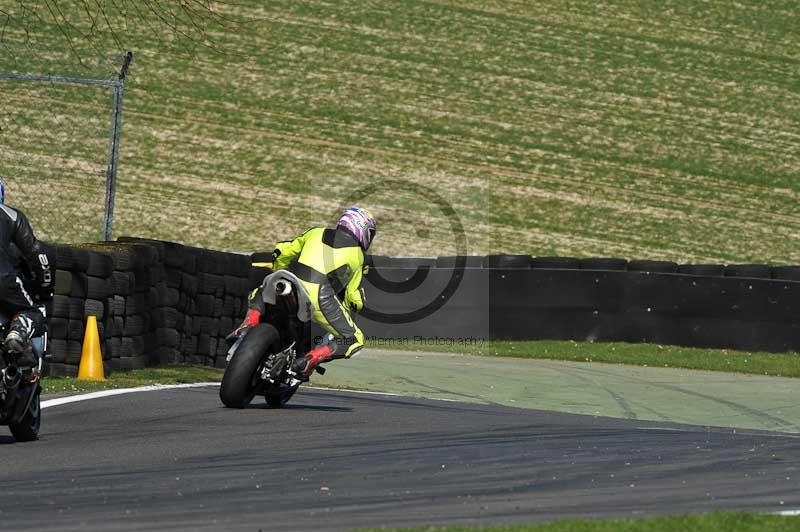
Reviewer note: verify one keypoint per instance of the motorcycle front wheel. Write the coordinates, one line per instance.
(278, 398)
(240, 378)
(27, 429)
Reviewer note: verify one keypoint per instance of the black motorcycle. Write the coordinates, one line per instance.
(260, 361)
(20, 388)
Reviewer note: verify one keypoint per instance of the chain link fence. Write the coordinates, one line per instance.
(59, 147)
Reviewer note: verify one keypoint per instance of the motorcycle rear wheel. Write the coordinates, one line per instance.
(239, 381)
(27, 429)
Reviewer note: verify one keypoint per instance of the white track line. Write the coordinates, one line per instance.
(120, 391)
(158, 387)
(788, 513)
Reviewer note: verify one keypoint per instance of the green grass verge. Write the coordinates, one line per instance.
(667, 356)
(715, 522)
(136, 377)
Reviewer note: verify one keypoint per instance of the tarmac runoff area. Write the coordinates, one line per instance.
(691, 397)
(176, 459)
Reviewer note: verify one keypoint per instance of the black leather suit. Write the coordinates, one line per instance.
(16, 232)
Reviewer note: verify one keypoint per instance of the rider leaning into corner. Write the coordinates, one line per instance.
(328, 262)
(27, 320)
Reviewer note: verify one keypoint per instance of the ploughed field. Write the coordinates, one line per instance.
(667, 131)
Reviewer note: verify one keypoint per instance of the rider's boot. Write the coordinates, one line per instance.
(252, 319)
(305, 365)
(18, 340)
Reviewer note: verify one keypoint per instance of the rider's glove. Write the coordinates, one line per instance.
(357, 305)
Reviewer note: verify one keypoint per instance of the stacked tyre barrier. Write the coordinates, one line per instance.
(156, 303)
(216, 300)
(521, 297)
(164, 303)
(138, 277)
(525, 262)
(83, 287)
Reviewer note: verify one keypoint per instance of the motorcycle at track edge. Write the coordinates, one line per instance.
(20, 388)
(260, 360)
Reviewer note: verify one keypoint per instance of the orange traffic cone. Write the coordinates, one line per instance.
(91, 368)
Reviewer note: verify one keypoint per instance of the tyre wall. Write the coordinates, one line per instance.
(741, 306)
(164, 303)
(742, 313)
(155, 302)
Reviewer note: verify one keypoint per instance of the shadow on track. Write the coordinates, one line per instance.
(320, 408)
(7, 440)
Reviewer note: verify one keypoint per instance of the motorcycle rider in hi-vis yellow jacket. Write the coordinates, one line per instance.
(328, 262)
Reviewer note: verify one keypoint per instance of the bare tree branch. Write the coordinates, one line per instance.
(90, 16)
(5, 24)
(110, 26)
(63, 27)
(96, 24)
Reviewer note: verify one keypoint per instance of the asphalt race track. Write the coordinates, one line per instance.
(178, 460)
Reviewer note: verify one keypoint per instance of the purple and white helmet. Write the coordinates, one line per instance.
(361, 223)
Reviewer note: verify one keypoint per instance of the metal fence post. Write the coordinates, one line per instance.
(113, 149)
